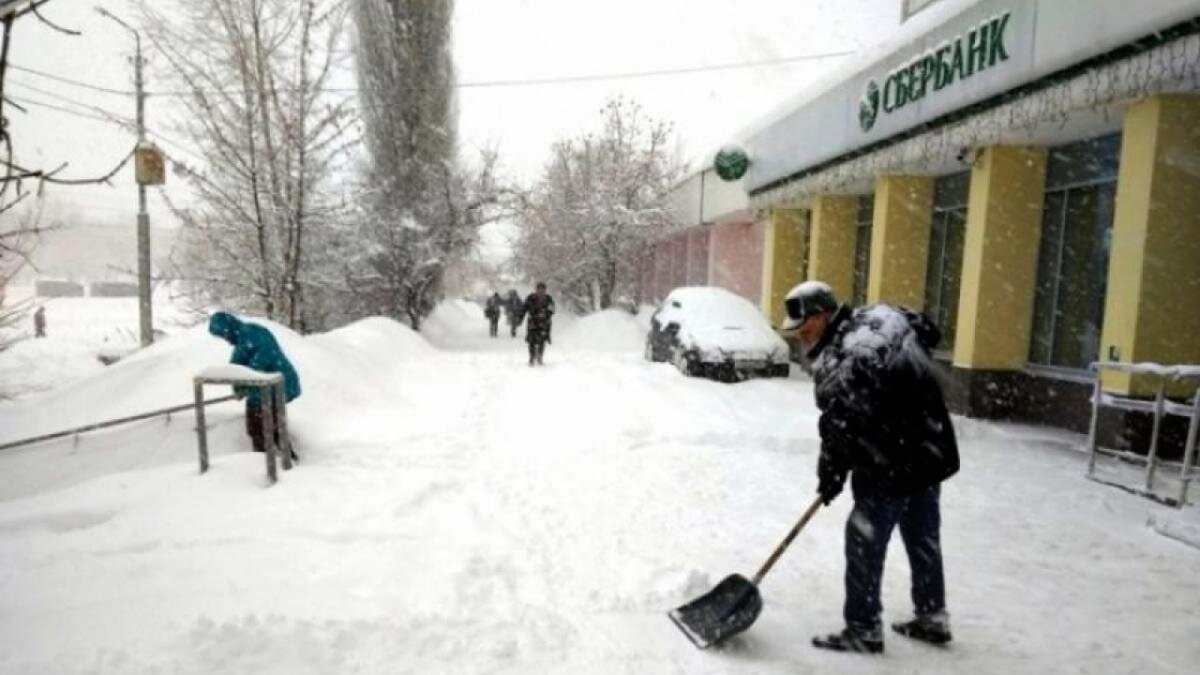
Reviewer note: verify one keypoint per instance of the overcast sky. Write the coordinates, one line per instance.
(495, 40)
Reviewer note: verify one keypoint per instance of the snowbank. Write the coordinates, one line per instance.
(611, 330)
(379, 335)
(341, 372)
(1182, 526)
(453, 318)
(78, 330)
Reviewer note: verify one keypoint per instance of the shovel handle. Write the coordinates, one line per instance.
(812, 510)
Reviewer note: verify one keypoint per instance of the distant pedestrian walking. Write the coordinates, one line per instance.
(539, 310)
(39, 322)
(492, 312)
(513, 308)
(254, 347)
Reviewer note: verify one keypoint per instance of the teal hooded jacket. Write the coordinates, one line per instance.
(255, 348)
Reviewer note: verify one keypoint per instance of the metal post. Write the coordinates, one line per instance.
(145, 318)
(1152, 458)
(265, 395)
(145, 310)
(201, 426)
(1097, 392)
(285, 441)
(1189, 452)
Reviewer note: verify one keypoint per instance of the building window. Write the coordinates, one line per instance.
(1072, 273)
(943, 275)
(862, 248)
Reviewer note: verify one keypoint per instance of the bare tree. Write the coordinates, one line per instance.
(257, 75)
(18, 235)
(600, 204)
(20, 217)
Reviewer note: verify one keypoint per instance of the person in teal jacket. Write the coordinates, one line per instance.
(254, 347)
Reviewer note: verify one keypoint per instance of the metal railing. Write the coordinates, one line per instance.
(110, 423)
(273, 408)
(1159, 408)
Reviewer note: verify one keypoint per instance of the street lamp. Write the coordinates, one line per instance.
(145, 318)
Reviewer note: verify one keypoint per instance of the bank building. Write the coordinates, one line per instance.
(1025, 172)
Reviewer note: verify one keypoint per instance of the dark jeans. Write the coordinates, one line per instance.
(492, 324)
(258, 434)
(536, 351)
(867, 533)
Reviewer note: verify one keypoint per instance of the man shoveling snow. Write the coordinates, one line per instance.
(883, 419)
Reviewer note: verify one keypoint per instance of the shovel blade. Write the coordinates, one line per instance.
(728, 609)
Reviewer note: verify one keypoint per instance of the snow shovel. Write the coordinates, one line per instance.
(733, 605)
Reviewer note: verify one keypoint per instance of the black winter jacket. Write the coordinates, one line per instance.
(538, 309)
(883, 417)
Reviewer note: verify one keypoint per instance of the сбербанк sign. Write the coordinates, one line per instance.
(952, 61)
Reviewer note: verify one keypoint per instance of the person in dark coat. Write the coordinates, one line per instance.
(254, 347)
(884, 422)
(514, 308)
(39, 322)
(538, 310)
(492, 312)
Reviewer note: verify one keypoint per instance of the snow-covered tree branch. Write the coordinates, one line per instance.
(600, 203)
(257, 74)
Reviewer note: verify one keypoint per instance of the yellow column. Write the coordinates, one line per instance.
(831, 244)
(1152, 310)
(900, 240)
(783, 259)
(1004, 216)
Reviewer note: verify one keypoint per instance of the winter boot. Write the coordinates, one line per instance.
(932, 629)
(851, 641)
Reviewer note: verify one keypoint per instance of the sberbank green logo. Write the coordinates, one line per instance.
(868, 108)
(952, 61)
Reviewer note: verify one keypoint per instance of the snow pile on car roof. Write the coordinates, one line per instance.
(708, 305)
(610, 330)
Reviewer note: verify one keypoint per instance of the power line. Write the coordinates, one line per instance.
(569, 79)
(25, 101)
(648, 73)
(67, 80)
(110, 117)
(71, 101)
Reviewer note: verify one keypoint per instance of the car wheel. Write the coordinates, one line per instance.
(685, 364)
(780, 370)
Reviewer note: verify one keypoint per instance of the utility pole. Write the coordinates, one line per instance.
(145, 311)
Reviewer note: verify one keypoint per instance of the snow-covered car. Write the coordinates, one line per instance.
(710, 332)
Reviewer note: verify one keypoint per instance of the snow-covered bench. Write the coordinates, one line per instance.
(270, 386)
(1159, 407)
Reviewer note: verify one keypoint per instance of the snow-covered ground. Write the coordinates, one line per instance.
(456, 511)
(78, 330)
